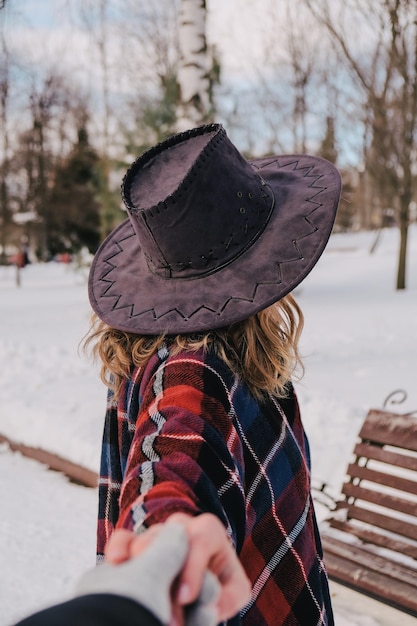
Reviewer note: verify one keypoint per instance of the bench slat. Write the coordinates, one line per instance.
(372, 537)
(401, 527)
(361, 555)
(381, 499)
(365, 572)
(376, 453)
(382, 478)
(390, 428)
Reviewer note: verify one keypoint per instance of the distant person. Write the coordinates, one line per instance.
(140, 591)
(21, 258)
(25, 254)
(198, 335)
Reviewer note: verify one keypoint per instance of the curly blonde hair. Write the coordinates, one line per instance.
(262, 349)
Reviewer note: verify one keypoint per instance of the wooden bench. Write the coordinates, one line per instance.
(370, 539)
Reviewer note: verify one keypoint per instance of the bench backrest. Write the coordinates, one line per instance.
(381, 488)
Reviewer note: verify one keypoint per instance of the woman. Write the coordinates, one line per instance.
(198, 332)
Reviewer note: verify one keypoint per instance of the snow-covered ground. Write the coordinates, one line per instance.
(359, 344)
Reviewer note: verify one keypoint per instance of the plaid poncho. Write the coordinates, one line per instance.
(186, 435)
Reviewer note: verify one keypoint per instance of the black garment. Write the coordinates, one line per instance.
(94, 610)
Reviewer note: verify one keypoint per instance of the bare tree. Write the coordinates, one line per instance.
(5, 213)
(171, 69)
(43, 103)
(54, 116)
(95, 20)
(301, 61)
(283, 103)
(382, 58)
(152, 34)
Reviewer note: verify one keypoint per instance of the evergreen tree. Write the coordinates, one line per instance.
(73, 207)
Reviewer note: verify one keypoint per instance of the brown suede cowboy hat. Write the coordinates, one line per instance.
(211, 237)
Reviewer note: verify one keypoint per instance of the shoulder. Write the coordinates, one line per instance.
(190, 387)
(197, 370)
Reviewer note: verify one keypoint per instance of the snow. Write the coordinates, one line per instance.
(359, 344)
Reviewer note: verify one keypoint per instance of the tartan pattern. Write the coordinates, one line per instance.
(186, 435)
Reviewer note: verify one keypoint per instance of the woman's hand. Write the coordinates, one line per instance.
(209, 550)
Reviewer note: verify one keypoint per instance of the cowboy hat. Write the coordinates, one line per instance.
(211, 238)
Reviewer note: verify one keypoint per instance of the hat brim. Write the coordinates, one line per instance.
(128, 296)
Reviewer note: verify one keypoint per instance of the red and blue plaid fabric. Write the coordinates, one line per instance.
(186, 435)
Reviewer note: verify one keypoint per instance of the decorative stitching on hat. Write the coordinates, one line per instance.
(167, 143)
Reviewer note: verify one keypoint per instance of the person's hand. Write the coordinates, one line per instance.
(209, 549)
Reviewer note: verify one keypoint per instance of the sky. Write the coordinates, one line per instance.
(248, 37)
(38, 30)
(359, 344)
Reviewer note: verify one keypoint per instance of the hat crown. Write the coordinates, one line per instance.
(195, 203)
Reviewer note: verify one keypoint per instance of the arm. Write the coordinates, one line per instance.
(88, 610)
(185, 455)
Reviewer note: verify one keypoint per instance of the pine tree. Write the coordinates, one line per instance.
(73, 207)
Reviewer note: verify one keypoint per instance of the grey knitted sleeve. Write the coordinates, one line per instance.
(147, 578)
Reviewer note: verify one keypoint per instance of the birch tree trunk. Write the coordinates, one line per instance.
(193, 72)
